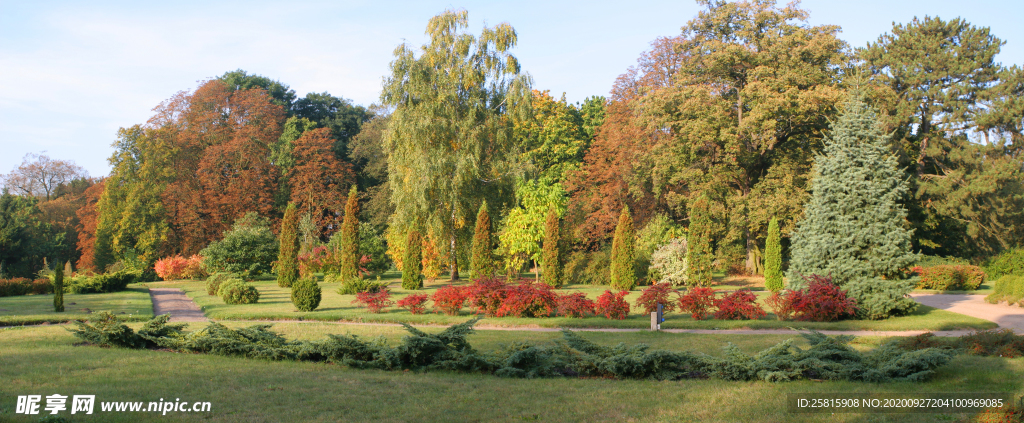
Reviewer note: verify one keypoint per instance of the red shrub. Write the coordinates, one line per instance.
(449, 299)
(575, 305)
(528, 299)
(783, 303)
(170, 268)
(738, 305)
(43, 286)
(376, 302)
(822, 301)
(658, 293)
(414, 303)
(194, 268)
(313, 261)
(15, 287)
(613, 306)
(950, 277)
(698, 301)
(487, 294)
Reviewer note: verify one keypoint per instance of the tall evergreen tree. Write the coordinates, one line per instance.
(854, 227)
(623, 274)
(773, 258)
(698, 252)
(551, 263)
(482, 263)
(350, 237)
(412, 263)
(288, 255)
(58, 289)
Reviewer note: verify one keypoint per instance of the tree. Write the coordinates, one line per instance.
(555, 138)
(306, 294)
(482, 261)
(623, 274)
(248, 248)
(412, 278)
(698, 244)
(773, 258)
(450, 140)
(87, 221)
(58, 289)
(319, 180)
(370, 163)
(25, 240)
(350, 238)
(240, 80)
(524, 226)
(288, 256)
(40, 176)
(550, 257)
(336, 114)
(853, 227)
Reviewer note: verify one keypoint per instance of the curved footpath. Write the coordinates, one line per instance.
(173, 301)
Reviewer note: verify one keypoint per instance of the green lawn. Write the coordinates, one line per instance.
(44, 360)
(133, 303)
(275, 304)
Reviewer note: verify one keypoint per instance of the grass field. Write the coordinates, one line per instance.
(44, 360)
(275, 304)
(133, 303)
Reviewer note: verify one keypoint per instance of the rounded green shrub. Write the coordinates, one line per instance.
(235, 291)
(214, 281)
(306, 294)
(249, 248)
(1009, 262)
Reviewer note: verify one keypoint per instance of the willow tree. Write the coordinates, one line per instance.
(450, 138)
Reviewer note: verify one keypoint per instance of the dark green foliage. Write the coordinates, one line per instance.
(880, 298)
(235, 291)
(698, 243)
(551, 262)
(373, 247)
(412, 264)
(622, 273)
(281, 94)
(773, 258)
(306, 294)
(352, 286)
(1009, 262)
(828, 357)
(110, 282)
(58, 289)
(588, 268)
(288, 257)
(349, 260)
(215, 280)
(248, 249)
(481, 264)
(25, 238)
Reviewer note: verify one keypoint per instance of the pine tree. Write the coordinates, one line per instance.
(412, 275)
(551, 263)
(288, 255)
(854, 227)
(773, 258)
(623, 275)
(350, 238)
(698, 253)
(58, 289)
(482, 263)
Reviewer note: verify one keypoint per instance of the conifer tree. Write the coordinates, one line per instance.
(350, 238)
(482, 262)
(623, 275)
(551, 263)
(288, 255)
(58, 289)
(698, 253)
(306, 294)
(412, 274)
(854, 227)
(773, 258)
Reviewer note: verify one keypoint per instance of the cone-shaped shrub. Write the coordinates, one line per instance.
(551, 262)
(623, 275)
(412, 265)
(773, 258)
(58, 289)
(306, 294)
(288, 255)
(349, 260)
(481, 265)
(698, 252)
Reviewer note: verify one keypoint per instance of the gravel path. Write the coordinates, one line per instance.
(1011, 317)
(173, 301)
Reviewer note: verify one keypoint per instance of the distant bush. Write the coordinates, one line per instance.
(248, 249)
(180, 267)
(1009, 262)
(946, 277)
(235, 292)
(658, 293)
(822, 301)
(783, 303)
(416, 304)
(16, 287)
(450, 299)
(587, 268)
(613, 306)
(738, 305)
(668, 262)
(1009, 288)
(215, 280)
(698, 301)
(357, 284)
(576, 305)
(306, 294)
(528, 299)
(376, 302)
(110, 282)
(43, 286)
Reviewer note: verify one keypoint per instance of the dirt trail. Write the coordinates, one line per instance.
(173, 301)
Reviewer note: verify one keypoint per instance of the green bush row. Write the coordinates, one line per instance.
(950, 277)
(111, 282)
(1009, 262)
(1008, 288)
(23, 286)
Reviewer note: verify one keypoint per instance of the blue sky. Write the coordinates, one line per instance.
(71, 73)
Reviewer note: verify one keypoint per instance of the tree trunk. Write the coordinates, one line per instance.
(454, 261)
